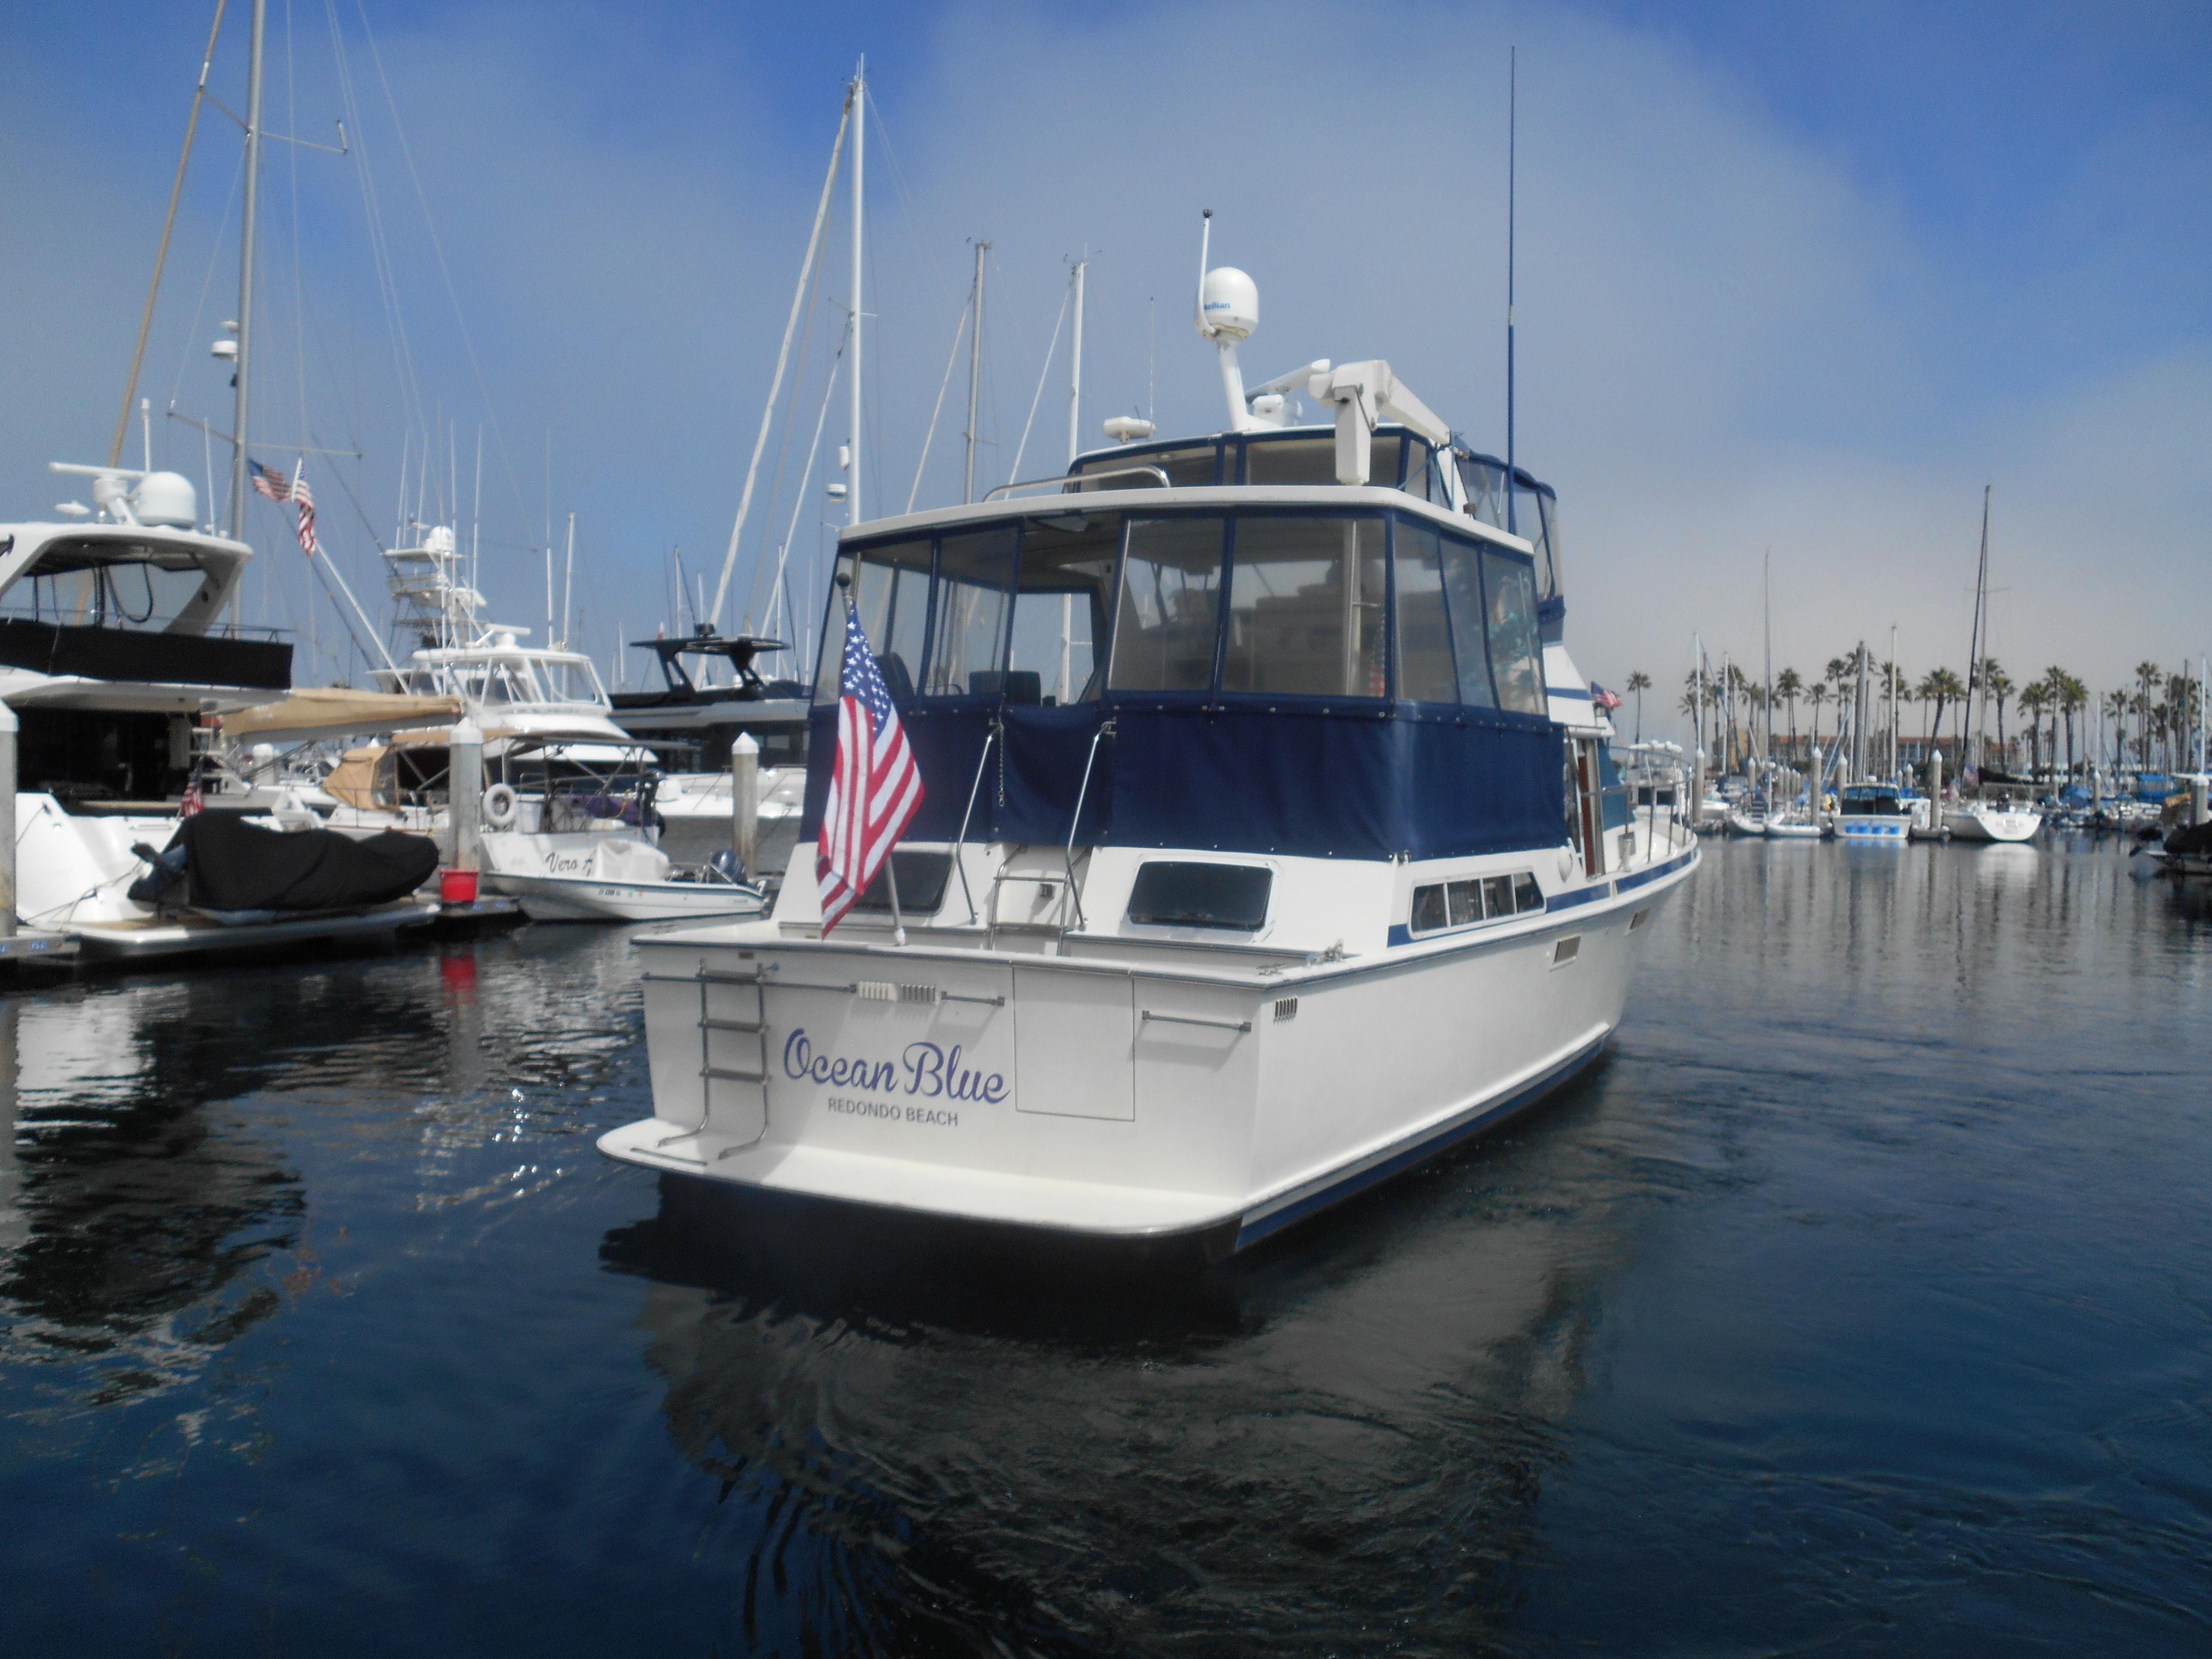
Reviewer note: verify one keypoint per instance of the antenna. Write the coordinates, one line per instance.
(1205, 242)
(1512, 170)
(974, 370)
(1152, 353)
(859, 147)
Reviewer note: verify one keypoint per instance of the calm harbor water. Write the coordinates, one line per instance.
(1862, 1302)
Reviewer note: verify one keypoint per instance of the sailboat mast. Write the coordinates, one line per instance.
(1979, 646)
(859, 151)
(1766, 692)
(1075, 370)
(244, 382)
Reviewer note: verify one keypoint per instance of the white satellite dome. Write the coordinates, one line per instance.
(1229, 301)
(167, 499)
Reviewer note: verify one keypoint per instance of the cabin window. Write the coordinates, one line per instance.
(1170, 606)
(1305, 616)
(1511, 592)
(1462, 583)
(975, 601)
(1067, 574)
(891, 586)
(1484, 481)
(1424, 475)
(1176, 895)
(1464, 901)
(1441, 905)
(1424, 646)
(1429, 910)
(921, 881)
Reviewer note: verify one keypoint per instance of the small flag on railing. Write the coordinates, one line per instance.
(875, 787)
(1608, 700)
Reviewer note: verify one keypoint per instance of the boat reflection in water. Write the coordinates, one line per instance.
(943, 1437)
(135, 1202)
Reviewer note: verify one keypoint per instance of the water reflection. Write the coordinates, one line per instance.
(972, 1437)
(151, 1174)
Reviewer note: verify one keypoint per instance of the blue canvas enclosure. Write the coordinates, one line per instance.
(1226, 680)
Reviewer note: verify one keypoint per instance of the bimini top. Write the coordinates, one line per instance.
(1221, 650)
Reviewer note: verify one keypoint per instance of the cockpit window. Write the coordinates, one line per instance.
(1305, 608)
(1170, 606)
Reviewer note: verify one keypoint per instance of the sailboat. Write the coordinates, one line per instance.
(1996, 811)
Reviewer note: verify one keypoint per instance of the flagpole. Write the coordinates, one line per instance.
(890, 875)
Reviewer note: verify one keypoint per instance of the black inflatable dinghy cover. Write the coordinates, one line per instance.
(237, 865)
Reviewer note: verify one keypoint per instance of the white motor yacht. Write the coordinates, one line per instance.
(1318, 872)
(112, 656)
(570, 825)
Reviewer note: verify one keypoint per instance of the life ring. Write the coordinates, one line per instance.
(500, 806)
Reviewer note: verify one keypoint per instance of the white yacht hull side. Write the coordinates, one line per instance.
(1106, 1096)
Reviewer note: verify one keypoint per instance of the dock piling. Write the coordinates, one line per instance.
(744, 801)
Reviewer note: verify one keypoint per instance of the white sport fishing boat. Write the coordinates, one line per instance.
(1317, 873)
(570, 825)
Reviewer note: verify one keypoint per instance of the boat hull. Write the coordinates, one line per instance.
(1990, 825)
(579, 898)
(1109, 1095)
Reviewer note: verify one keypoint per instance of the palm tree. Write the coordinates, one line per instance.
(2116, 710)
(1789, 686)
(2032, 700)
(2147, 675)
(1998, 684)
(1638, 683)
(2073, 698)
(1816, 694)
(1940, 687)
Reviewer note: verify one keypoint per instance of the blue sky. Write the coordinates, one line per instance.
(1793, 277)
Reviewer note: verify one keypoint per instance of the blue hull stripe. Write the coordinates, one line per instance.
(1519, 1100)
(1581, 895)
(1627, 883)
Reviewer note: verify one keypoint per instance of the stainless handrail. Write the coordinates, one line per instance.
(959, 862)
(1192, 1019)
(1071, 477)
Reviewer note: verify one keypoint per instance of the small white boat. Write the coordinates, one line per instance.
(1992, 820)
(1748, 821)
(593, 876)
(1794, 826)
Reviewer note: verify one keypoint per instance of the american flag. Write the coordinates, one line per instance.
(194, 801)
(1602, 698)
(279, 488)
(875, 787)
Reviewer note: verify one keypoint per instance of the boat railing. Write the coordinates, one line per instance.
(1065, 478)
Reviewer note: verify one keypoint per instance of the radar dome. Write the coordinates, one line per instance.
(166, 499)
(1229, 302)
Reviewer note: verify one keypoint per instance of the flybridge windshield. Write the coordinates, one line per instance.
(1532, 512)
(1398, 461)
(1070, 606)
(106, 584)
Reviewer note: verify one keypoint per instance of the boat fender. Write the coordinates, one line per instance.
(500, 806)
